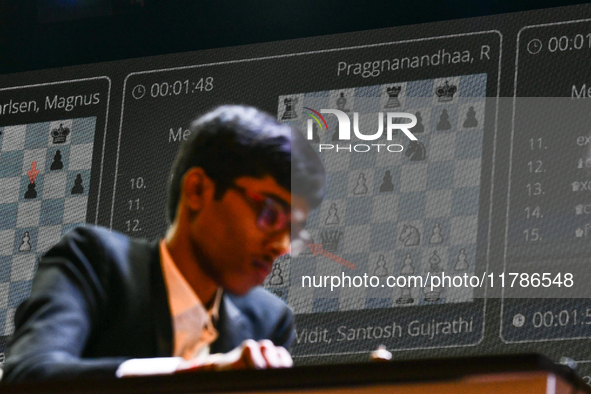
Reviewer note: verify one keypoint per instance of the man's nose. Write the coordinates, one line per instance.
(279, 243)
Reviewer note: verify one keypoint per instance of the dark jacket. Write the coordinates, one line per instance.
(99, 298)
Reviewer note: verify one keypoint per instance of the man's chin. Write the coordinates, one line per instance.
(240, 290)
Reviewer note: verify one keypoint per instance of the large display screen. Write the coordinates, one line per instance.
(491, 194)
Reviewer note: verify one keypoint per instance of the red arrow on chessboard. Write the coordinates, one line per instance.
(317, 249)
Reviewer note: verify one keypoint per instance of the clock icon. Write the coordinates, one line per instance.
(138, 92)
(534, 46)
(518, 320)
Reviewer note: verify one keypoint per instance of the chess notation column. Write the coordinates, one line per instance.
(548, 224)
(137, 187)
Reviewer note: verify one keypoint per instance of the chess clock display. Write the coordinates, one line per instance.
(174, 88)
(548, 222)
(562, 43)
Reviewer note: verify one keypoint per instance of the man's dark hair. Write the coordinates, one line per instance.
(234, 141)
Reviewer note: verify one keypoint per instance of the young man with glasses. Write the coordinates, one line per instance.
(103, 304)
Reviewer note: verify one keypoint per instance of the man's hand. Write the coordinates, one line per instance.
(249, 355)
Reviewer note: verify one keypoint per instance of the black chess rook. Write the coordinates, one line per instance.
(290, 112)
(393, 102)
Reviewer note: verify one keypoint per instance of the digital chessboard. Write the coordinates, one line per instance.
(408, 213)
(44, 181)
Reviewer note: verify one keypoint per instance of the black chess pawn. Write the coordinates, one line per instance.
(387, 184)
(57, 161)
(471, 120)
(443, 123)
(78, 188)
(419, 127)
(31, 192)
(342, 103)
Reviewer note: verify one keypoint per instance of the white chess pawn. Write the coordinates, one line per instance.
(361, 187)
(381, 269)
(580, 163)
(436, 237)
(332, 218)
(25, 244)
(462, 263)
(276, 278)
(407, 268)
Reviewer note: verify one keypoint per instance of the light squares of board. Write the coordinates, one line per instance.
(13, 138)
(28, 214)
(9, 189)
(80, 157)
(75, 209)
(55, 185)
(23, 267)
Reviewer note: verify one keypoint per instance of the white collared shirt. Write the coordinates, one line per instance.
(192, 326)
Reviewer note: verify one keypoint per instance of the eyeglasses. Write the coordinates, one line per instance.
(273, 216)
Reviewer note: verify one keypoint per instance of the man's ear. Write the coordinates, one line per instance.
(197, 188)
